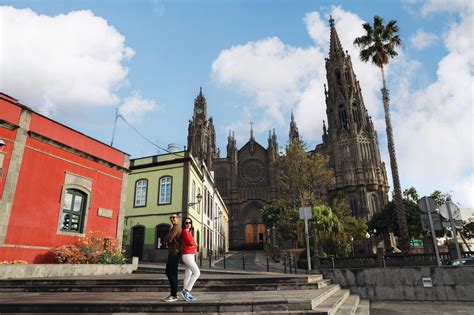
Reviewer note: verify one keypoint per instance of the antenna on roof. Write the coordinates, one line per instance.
(117, 115)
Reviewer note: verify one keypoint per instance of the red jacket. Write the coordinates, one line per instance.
(187, 243)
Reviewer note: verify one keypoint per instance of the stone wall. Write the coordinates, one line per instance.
(64, 270)
(406, 283)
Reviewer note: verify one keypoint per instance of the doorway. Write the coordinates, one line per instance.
(138, 238)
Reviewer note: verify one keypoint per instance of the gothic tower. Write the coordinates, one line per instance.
(201, 133)
(350, 139)
(294, 134)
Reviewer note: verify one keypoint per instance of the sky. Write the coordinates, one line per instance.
(256, 61)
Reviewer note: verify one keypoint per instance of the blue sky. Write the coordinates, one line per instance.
(76, 61)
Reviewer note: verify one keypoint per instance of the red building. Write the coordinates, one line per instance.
(56, 184)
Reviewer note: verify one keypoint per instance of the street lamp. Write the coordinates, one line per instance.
(198, 198)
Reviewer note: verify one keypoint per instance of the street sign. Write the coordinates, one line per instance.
(306, 213)
(455, 211)
(426, 204)
(416, 243)
(425, 221)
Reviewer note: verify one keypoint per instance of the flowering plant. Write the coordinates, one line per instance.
(92, 249)
(13, 262)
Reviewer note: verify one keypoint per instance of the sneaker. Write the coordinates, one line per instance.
(171, 299)
(187, 296)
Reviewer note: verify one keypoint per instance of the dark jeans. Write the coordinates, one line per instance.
(172, 272)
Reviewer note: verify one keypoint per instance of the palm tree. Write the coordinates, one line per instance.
(379, 44)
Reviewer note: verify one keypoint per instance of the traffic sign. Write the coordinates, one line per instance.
(425, 221)
(306, 213)
(427, 204)
(455, 211)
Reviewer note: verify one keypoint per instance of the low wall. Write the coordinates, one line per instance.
(64, 270)
(408, 283)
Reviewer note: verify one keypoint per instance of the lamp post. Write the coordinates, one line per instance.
(192, 204)
(198, 200)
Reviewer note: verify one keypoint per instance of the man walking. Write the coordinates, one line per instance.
(173, 241)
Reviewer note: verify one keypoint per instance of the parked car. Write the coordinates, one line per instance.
(468, 261)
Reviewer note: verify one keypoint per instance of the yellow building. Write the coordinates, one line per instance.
(164, 184)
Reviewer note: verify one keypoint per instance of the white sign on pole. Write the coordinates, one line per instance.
(306, 213)
(425, 222)
(455, 211)
(427, 204)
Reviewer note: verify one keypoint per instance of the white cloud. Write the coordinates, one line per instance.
(460, 6)
(272, 72)
(435, 125)
(59, 64)
(134, 108)
(279, 77)
(422, 39)
(317, 28)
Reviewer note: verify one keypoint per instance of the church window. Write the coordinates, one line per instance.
(338, 76)
(375, 204)
(164, 195)
(73, 211)
(354, 208)
(343, 117)
(141, 186)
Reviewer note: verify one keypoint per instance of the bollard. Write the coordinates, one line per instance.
(333, 263)
(209, 256)
(200, 259)
(243, 261)
(383, 261)
(268, 265)
(295, 264)
(224, 260)
(215, 256)
(289, 263)
(284, 262)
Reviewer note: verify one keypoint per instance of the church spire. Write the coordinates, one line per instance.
(294, 134)
(335, 47)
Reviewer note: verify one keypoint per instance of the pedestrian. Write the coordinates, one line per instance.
(173, 239)
(191, 271)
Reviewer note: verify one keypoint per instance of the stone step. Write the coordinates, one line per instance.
(331, 304)
(163, 286)
(296, 301)
(349, 307)
(363, 308)
(134, 279)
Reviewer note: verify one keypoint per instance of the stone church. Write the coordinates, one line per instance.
(247, 180)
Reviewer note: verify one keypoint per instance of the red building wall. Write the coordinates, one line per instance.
(51, 151)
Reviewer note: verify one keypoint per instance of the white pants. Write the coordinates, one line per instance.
(191, 272)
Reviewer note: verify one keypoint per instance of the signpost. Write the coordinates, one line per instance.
(449, 207)
(428, 204)
(305, 214)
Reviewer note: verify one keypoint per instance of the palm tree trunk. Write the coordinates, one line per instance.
(398, 199)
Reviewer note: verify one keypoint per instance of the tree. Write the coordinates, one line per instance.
(386, 221)
(304, 175)
(411, 194)
(379, 45)
(441, 198)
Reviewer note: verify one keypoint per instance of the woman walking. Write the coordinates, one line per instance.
(191, 272)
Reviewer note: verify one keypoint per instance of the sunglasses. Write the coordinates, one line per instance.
(173, 217)
(188, 222)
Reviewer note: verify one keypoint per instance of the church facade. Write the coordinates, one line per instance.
(247, 180)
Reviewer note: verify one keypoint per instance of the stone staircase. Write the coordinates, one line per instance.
(231, 293)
